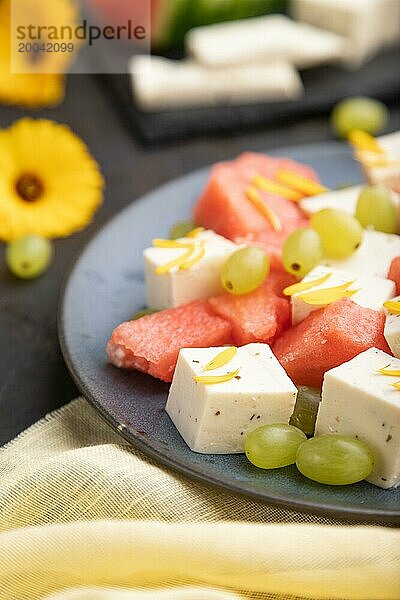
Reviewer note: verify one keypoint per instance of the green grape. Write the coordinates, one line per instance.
(245, 270)
(273, 446)
(375, 208)
(335, 459)
(341, 233)
(306, 409)
(29, 256)
(359, 112)
(302, 251)
(142, 313)
(181, 228)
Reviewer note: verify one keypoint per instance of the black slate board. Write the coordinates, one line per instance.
(324, 87)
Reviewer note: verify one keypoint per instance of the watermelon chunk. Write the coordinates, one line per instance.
(256, 317)
(225, 208)
(277, 281)
(327, 338)
(151, 344)
(394, 272)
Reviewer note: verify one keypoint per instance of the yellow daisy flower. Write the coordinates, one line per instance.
(49, 183)
(46, 87)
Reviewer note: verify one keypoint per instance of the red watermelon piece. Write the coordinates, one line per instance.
(151, 344)
(277, 281)
(394, 272)
(256, 317)
(327, 338)
(225, 208)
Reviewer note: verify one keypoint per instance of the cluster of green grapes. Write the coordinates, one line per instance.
(331, 459)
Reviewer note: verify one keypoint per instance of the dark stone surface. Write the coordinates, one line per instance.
(33, 377)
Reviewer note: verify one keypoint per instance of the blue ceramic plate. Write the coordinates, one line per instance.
(105, 287)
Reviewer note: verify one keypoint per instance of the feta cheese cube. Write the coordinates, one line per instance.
(392, 331)
(372, 291)
(345, 199)
(215, 418)
(360, 402)
(368, 25)
(389, 175)
(373, 257)
(201, 280)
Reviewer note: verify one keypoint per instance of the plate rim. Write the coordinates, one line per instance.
(327, 509)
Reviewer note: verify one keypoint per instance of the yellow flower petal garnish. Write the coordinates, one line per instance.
(192, 261)
(396, 385)
(267, 185)
(364, 141)
(195, 232)
(176, 262)
(49, 183)
(303, 286)
(307, 187)
(389, 372)
(326, 296)
(255, 198)
(160, 243)
(210, 379)
(392, 307)
(221, 359)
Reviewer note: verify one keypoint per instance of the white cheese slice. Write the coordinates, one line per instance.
(372, 291)
(215, 418)
(368, 25)
(360, 402)
(273, 37)
(202, 280)
(392, 331)
(373, 257)
(160, 84)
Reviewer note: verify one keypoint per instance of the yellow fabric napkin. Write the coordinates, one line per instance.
(84, 516)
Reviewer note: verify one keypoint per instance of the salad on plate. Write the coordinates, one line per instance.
(275, 315)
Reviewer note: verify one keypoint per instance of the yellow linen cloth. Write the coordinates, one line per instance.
(84, 516)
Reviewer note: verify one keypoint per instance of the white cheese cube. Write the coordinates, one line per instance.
(389, 175)
(392, 331)
(373, 257)
(272, 37)
(360, 402)
(215, 418)
(391, 143)
(372, 291)
(201, 280)
(345, 199)
(368, 25)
